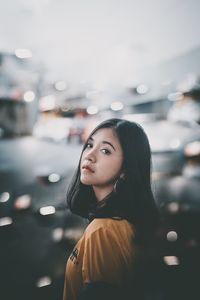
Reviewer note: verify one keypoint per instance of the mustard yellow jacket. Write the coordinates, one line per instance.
(105, 252)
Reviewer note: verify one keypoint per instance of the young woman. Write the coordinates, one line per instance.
(112, 188)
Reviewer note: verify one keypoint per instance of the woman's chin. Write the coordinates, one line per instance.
(85, 181)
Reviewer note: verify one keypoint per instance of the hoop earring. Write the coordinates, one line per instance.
(119, 182)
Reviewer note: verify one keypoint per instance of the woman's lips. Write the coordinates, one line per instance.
(87, 168)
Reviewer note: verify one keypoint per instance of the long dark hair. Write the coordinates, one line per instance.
(132, 197)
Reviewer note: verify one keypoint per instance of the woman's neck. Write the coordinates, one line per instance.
(102, 193)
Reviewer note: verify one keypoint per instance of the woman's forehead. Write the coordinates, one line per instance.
(105, 133)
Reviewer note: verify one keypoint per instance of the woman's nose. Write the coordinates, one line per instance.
(90, 156)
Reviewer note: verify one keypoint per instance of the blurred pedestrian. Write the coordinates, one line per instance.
(112, 188)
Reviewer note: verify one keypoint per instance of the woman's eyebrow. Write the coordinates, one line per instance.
(106, 142)
(103, 142)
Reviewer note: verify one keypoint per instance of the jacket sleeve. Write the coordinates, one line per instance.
(102, 259)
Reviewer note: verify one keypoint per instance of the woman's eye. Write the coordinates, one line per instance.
(106, 151)
(89, 145)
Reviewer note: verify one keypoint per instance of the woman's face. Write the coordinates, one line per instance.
(101, 162)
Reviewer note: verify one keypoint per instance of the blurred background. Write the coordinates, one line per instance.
(65, 66)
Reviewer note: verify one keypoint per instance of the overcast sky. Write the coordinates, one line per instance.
(99, 40)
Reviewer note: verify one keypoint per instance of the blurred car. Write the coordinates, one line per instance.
(53, 129)
(168, 141)
(186, 105)
(175, 149)
(76, 129)
(173, 144)
(75, 133)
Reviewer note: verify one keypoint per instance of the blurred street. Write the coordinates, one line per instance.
(34, 243)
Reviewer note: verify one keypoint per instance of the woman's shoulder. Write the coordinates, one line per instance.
(109, 224)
